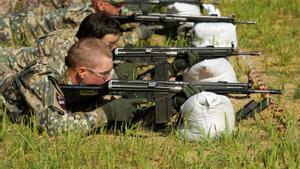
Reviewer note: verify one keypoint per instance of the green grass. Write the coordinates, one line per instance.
(257, 143)
(23, 148)
(297, 93)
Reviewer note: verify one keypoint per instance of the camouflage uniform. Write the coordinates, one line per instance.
(131, 36)
(34, 93)
(26, 28)
(7, 6)
(5, 31)
(54, 46)
(11, 7)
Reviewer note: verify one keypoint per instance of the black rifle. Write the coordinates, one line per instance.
(159, 92)
(175, 18)
(167, 2)
(158, 56)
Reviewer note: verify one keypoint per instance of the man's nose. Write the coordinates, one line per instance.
(113, 46)
(109, 78)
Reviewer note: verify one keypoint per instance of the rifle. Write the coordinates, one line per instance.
(175, 18)
(167, 2)
(159, 56)
(159, 92)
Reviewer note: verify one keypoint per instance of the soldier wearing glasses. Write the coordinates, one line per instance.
(33, 95)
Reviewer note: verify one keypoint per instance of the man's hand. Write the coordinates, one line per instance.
(126, 71)
(146, 31)
(192, 58)
(190, 90)
(121, 109)
(187, 92)
(183, 63)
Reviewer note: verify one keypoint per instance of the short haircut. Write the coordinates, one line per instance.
(98, 25)
(87, 52)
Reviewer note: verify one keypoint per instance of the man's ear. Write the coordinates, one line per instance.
(99, 6)
(82, 72)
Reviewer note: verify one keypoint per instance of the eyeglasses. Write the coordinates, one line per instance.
(103, 75)
(111, 45)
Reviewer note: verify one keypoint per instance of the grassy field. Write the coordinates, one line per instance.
(270, 140)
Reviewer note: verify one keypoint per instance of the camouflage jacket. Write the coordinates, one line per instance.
(27, 27)
(11, 7)
(54, 46)
(33, 93)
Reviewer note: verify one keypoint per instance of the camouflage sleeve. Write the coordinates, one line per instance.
(5, 31)
(129, 38)
(29, 26)
(9, 7)
(55, 45)
(13, 60)
(36, 87)
(55, 119)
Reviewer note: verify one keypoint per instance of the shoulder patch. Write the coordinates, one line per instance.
(60, 100)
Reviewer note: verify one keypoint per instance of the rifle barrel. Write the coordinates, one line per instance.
(166, 2)
(251, 53)
(272, 91)
(245, 22)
